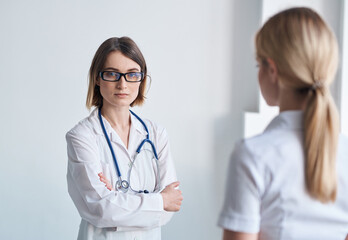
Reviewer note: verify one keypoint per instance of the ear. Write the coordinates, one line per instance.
(97, 81)
(272, 70)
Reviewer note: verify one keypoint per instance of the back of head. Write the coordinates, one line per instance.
(305, 52)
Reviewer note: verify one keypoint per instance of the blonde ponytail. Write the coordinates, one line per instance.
(305, 52)
(320, 137)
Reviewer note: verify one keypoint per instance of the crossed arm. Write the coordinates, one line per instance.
(172, 197)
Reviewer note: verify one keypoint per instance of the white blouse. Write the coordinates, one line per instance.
(112, 214)
(265, 190)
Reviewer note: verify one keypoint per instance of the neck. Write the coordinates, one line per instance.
(290, 99)
(118, 117)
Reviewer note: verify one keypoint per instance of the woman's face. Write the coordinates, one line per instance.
(120, 93)
(268, 83)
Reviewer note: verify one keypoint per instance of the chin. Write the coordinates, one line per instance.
(121, 104)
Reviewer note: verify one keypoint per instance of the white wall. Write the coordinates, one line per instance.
(201, 59)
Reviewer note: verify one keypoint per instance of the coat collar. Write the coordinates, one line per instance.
(136, 126)
(291, 120)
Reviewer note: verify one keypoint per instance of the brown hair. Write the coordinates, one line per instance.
(129, 49)
(305, 52)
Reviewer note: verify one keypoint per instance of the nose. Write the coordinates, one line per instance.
(121, 84)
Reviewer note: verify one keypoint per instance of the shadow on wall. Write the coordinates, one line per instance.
(244, 93)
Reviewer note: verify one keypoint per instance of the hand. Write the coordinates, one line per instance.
(106, 181)
(231, 235)
(172, 197)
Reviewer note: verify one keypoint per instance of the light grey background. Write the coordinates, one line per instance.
(201, 59)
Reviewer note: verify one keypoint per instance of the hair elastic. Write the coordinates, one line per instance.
(317, 84)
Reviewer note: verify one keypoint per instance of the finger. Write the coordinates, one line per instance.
(100, 174)
(102, 179)
(174, 184)
(105, 181)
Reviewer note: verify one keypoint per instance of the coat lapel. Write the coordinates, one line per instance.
(137, 134)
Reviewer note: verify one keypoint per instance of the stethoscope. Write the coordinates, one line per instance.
(124, 185)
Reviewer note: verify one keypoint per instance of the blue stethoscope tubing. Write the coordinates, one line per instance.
(124, 185)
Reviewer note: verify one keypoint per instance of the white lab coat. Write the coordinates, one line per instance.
(112, 214)
(265, 190)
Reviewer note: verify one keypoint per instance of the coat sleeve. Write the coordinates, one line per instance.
(244, 188)
(166, 165)
(96, 204)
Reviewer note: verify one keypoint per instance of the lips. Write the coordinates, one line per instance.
(121, 94)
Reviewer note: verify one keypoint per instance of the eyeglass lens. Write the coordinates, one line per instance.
(115, 76)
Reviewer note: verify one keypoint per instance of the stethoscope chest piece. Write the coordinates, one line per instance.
(122, 185)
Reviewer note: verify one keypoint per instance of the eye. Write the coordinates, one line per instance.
(109, 75)
(134, 76)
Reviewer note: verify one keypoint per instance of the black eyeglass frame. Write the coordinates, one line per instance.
(101, 73)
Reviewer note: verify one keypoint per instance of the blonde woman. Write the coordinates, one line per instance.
(121, 176)
(291, 181)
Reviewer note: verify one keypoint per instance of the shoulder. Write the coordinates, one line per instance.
(83, 129)
(155, 128)
(257, 160)
(245, 154)
(257, 145)
(158, 133)
(270, 146)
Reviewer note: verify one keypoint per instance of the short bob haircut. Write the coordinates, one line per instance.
(129, 49)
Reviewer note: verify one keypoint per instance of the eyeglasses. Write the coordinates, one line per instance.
(112, 76)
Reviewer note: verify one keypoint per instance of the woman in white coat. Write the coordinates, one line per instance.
(291, 181)
(137, 207)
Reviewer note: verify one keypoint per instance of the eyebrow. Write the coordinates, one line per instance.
(129, 70)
